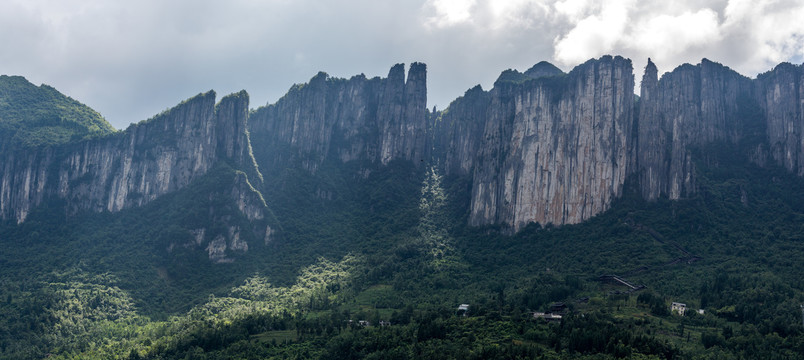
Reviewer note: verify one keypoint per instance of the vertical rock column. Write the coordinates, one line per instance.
(779, 93)
(692, 106)
(555, 150)
(402, 115)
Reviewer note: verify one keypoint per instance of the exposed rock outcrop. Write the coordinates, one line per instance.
(130, 168)
(540, 146)
(375, 120)
(689, 107)
(553, 149)
(779, 93)
(459, 130)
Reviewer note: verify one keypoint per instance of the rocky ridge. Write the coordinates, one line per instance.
(130, 168)
(675, 119)
(541, 146)
(687, 108)
(554, 149)
(375, 120)
(780, 95)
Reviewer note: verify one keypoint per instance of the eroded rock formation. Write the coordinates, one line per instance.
(540, 146)
(689, 107)
(375, 120)
(130, 168)
(779, 93)
(551, 149)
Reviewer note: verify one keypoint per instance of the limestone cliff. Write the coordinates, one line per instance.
(375, 120)
(540, 146)
(458, 132)
(689, 107)
(553, 149)
(129, 168)
(779, 94)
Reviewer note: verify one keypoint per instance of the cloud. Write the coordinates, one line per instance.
(594, 35)
(450, 12)
(664, 36)
(132, 60)
(749, 36)
(769, 31)
(575, 10)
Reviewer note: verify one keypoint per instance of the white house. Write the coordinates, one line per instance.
(679, 308)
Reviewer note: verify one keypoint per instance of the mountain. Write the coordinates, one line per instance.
(550, 149)
(540, 147)
(543, 69)
(40, 116)
(359, 119)
(558, 148)
(779, 93)
(132, 167)
(215, 231)
(689, 107)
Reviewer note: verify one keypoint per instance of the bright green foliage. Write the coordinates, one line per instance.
(434, 223)
(41, 116)
(392, 246)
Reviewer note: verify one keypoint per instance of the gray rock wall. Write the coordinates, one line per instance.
(376, 120)
(555, 149)
(542, 146)
(779, 93)
(458, 132)
(130, 168)
(689, 107)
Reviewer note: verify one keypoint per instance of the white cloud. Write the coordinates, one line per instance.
(132, 60)
(748, 35)
(575, 10)
(517, 14)
(487, 15)
(664, 36)
(450, 12)
(594, 35)
(772, 30)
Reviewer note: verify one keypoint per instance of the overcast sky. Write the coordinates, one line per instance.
(130, 60)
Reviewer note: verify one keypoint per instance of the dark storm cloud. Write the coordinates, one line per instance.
(132, 60)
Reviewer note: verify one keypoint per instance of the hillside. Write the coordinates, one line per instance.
(32, 116)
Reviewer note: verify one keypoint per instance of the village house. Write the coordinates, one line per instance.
(547, 316)
(558, 308)
(678, 308)
(462, 309)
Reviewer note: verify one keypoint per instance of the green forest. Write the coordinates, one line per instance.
(378, 269)
(35, 116)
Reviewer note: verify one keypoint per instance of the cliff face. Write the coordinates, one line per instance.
(554, 149)
(551, 148)
(689, 107)
(130, 168)
(458, 132)
(540, 146)
(779, 94)
(375, 120)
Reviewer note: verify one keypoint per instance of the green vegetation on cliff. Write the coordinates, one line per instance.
(41, 116)
(391, 246)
